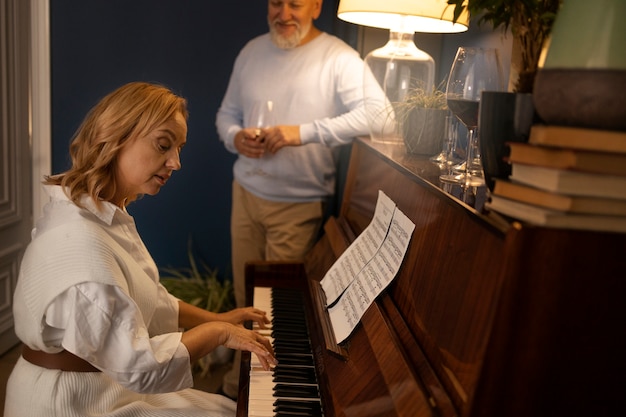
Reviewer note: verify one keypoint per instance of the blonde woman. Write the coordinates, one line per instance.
(101, 335)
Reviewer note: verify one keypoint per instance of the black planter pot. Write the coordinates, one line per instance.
(423, 131)
(587, 98)
(503, 117)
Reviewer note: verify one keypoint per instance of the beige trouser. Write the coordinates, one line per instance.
(266, 230)
(269, 230)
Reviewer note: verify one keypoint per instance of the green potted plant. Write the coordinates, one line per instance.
(199, 285)
(530, 22)
(423, 117)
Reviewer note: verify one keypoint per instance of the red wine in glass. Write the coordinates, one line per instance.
(465, 110)
(473, 71)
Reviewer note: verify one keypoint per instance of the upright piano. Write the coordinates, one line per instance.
(486, 317)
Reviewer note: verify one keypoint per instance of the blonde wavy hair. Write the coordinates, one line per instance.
(128, 112)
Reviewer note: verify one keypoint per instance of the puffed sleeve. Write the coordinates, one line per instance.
(103, 325)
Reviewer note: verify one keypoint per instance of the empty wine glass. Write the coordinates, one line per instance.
(473, 71)
(448, 156)
(261, 116)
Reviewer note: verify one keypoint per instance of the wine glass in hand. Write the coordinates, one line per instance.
(261, 116)
(473, 71)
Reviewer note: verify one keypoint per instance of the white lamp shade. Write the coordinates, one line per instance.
(430, 16)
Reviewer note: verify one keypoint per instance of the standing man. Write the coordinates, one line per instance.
(285, 171)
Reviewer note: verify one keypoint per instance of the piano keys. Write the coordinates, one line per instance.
(486, 317)
(291, 388)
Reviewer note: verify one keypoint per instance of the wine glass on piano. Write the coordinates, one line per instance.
(448, 158)
(473, 71)
(261, 116)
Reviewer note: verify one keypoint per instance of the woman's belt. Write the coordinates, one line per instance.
(63, 361)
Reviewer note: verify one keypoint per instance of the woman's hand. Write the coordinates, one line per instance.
(241, 315)
(203, 339)
(243, 339)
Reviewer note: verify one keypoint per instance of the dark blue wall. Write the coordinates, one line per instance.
(188, 45)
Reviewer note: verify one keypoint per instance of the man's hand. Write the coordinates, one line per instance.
(249, 142)
(277, 137)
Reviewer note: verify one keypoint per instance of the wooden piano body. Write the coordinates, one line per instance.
(485, 318)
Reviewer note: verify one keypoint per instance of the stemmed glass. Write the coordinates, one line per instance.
(261, 116)
(473, 71)
(447, 157)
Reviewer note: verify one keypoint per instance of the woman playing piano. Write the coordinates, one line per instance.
(101, 335)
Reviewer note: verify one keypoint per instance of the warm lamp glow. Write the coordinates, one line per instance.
(401, 69)
(431, 16)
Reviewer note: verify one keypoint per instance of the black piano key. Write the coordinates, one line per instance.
(297, 404)
(291, 360)
(293, 347)
(295, 361)
(306, 408)
(291, 379)
(302, 391)
(294, 378)
(295, 372)
(286, 352)
(290, 328)
(290, 339)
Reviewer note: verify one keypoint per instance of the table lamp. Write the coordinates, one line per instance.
(400, 68)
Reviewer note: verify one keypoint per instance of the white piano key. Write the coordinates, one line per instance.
(262, 397)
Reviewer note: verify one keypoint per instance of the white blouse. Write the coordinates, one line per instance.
(89, 285)
(101, 324)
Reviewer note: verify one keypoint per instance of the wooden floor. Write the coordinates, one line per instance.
(209, 383)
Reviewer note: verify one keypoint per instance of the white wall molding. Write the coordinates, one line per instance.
(41, 135)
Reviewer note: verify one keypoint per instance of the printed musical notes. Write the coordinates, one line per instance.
(365, 269)
(360, 252)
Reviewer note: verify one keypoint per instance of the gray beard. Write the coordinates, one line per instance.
(288, 42)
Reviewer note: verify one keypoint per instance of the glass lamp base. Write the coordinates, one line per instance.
(401, 71)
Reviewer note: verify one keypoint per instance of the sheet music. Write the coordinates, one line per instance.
(373, 278)
(360, 252)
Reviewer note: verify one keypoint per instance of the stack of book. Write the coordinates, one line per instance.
(565, 177)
